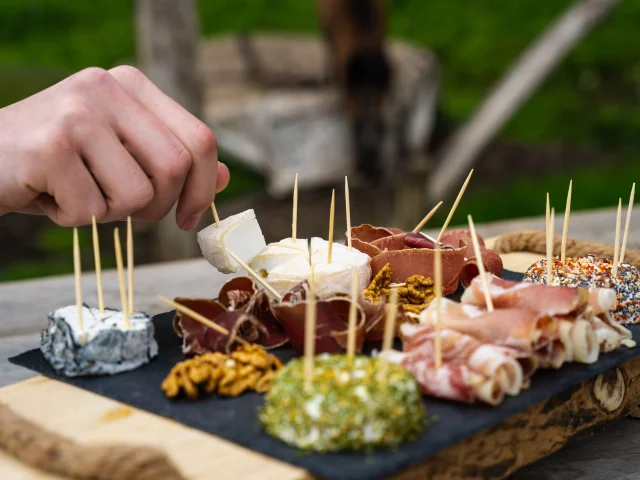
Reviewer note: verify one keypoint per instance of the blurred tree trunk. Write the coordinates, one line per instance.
(167, 49)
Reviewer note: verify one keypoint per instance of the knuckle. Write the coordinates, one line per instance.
(177, 164)
(91, 78)
(141, 196)
(205, 141)
(129, 75)
(58, 145)
(74, 111)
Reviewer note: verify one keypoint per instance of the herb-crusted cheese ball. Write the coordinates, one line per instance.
(591, 271)
(348, 407)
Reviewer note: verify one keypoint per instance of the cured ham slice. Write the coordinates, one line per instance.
(198, 339)
(490, 259)
(413, 253)
(405, 263)
(570, 303)
(498, 363)
(242, 308)
(509, 327)
(332, 319)
(452, 381)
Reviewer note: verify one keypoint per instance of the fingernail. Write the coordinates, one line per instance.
(191, 222)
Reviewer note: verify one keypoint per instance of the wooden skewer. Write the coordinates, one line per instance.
(348, 206)
(480, 263)
(351, 338)
(438, 287)
(626, 225)
(294, 220)
(313, 275)
(78, 280)
(215, 214)
(331, 218)
(123, 291)
(455, 205)
(389, 328)
(427, 217)
(130, 264)
(550, 247)
(98, 263)
(565, 227)
(309, 338)
(547, 215)
(256, 276)
(199, 318)
(616, 246)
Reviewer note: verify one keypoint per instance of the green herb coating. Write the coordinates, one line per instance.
(348, 407)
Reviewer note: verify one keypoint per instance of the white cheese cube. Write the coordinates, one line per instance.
(239, 233)
(335, 277)
(279, 253)
(287, 275)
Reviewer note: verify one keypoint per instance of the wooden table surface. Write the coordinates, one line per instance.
(85, 416)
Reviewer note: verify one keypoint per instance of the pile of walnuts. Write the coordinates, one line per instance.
(249, 367)
(415, 294)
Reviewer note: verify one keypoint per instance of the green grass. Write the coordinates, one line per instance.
(592, 188)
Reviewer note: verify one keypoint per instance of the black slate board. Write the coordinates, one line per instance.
(235, 419)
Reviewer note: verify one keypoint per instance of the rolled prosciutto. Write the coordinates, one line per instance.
(497, 363)
(567, 303)
(516, 328)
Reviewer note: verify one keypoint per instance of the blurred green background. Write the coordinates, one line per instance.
(590, 101)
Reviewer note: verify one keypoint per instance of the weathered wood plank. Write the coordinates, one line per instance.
(25, 304)
(87, 417)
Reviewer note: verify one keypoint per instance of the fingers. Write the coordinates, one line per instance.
(73, 195)
(223, 177)
(126, 188)
(201, 181)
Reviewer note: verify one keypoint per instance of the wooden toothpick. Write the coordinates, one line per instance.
(256, 276)
(348, 206)
(455, 205)
(480, 263)
(199, 318)
(331, 218)
(309, 338)
(123, 291)
(98, 263)
(355, 291)
(550, 247)
(78, 280)
(427, 217)
(616, 246)
(626, 225)
(438, 287)
(130, 264)
(294, 220)
(215, 214)
(565, 227)
(389, 327)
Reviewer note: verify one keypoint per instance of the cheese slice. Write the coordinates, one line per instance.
(279, 253)
(239, 233)
(335, 277)
(289, 274)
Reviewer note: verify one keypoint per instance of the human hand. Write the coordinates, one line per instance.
(109, 144)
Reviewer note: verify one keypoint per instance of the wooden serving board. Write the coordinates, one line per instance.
(493, 454)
